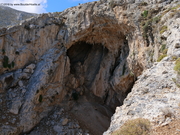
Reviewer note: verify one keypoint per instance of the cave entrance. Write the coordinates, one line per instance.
(78, 53)
(95, 70)
(85, 60)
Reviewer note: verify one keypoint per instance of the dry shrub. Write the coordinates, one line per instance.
(161, 57)
(139, 126)
(177, 66)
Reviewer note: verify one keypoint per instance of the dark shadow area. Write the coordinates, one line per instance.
(85, 59)
(78, 53)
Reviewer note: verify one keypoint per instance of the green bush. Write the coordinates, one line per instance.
(163, 47)
(177, 66)
(144, 14)
(163, 29)
(139, 126)
(40, 98)
(5, 61)
(161, 57)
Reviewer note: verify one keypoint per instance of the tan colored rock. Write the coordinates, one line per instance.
(65, 122)
(97, 47)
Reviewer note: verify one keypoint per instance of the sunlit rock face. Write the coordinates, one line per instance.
(67, 72)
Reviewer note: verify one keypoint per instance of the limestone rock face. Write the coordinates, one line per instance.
(10, 17)
(84, 61)
(155, 94)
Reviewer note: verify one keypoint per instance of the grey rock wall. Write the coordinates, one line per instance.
(84, 60)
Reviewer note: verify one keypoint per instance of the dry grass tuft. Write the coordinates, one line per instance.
(139, 126)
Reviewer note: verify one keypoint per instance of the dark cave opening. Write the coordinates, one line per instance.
(78, 53)
(98, 66)
(85, 60)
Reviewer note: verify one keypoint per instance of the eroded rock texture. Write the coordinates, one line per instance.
(69, 71)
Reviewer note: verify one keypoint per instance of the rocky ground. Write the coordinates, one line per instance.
(172, 128)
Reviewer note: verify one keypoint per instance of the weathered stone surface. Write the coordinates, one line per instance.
(65, 121)
(86, 59)
(155, 95)
(15, 106)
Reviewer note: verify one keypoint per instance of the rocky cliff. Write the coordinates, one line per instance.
(66, 72)
(10, 17)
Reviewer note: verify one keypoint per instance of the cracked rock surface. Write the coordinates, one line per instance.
(66, 72)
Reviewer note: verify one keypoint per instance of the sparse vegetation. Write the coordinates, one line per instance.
(143, 4)
(139, 126)
(156, 19)
(163, 29)
(175, 81)
(165, 51)
(173, 13)
(174, 57)
(40, 98)
(163, 47)
(131, 73)
(3, 51)
(146, 29)
(176, 7)
(10, 17)
(144, 14)
(147, 22)
(161, 57)
(57, 13)
(177, 66)
(6, 63)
